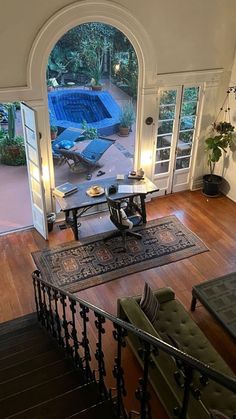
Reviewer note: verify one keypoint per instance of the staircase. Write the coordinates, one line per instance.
(38, 381)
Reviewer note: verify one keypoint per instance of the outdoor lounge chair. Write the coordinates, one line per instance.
(89, 157)
(66, 140)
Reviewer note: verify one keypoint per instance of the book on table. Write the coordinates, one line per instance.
(65, 189)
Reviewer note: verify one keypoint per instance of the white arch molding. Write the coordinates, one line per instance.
(84, 12)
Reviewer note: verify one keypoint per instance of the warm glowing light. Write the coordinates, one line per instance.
(35, 172)
(117, 67)
(146, 158)
(45, 174)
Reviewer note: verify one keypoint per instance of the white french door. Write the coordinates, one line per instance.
(34, 165)
(178, 110)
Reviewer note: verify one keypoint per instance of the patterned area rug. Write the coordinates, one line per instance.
(77, 266)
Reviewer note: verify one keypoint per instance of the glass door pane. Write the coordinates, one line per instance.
(188, 112)
(166, 118)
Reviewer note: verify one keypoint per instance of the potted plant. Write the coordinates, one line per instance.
(54, 131)
(12, 149)
(51, 218)
(127, 118)
(96, 74)
(50, 85)
(89, 133)
(216, 145)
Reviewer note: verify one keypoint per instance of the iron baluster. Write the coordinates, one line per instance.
(51, 315)
(142, 393)
(41, 315)
(85, 341)
(35, 283)
(58, 320)
(45, 310)
(65, 323)
(76, 357)
(186, 364)
(99, 355)
(188, 376)
(119, 335)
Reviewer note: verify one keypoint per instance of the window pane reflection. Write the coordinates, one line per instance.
(186, 136)
(187, 122)
(184, 149)
(182, 163)
(168, 97)
(164, 141)
(167, 112)
(163, 154)
(190, 93)
(188, 108)
(165, 127)
(161, 168)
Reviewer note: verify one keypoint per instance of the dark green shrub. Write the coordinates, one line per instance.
(12, 152)
(90, 133)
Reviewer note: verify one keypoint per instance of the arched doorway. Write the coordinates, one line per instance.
(55, 27)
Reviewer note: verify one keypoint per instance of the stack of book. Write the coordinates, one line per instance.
(65, 189)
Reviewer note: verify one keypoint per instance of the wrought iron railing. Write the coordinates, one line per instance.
(67, 318)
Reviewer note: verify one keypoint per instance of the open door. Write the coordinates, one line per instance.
(34, 164)
(176, 134)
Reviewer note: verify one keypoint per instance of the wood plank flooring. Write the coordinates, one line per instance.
(213, 220)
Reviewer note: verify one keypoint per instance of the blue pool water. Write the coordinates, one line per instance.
(70, 107)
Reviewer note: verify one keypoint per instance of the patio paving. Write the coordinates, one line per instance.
(15, 204)
(117, 159)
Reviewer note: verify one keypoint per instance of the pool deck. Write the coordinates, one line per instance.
(15, 205)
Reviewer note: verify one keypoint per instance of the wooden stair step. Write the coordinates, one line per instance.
(104, 410)
(34, 377)
(9, 348)
(17, 324)
(28, 365)
(18, 334)
(29, 353)
(64, 405)
(40, 393)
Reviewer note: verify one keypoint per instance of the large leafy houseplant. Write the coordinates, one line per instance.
(217, 145)
(12, 149)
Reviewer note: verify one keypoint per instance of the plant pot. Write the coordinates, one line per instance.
(211, 185)
(13, 150)
(51, 218)
(123, 131)
(97, 88)
(53, 135)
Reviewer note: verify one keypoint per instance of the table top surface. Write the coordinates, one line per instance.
(218, 296)
(80, 199)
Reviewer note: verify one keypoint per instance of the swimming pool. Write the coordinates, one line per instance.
(70, 107)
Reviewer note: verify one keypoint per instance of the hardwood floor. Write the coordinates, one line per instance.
(213, 220)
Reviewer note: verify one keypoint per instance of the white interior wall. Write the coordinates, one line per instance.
(188, 34)
(230, 160)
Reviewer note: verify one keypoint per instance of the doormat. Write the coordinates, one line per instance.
(74, 267)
